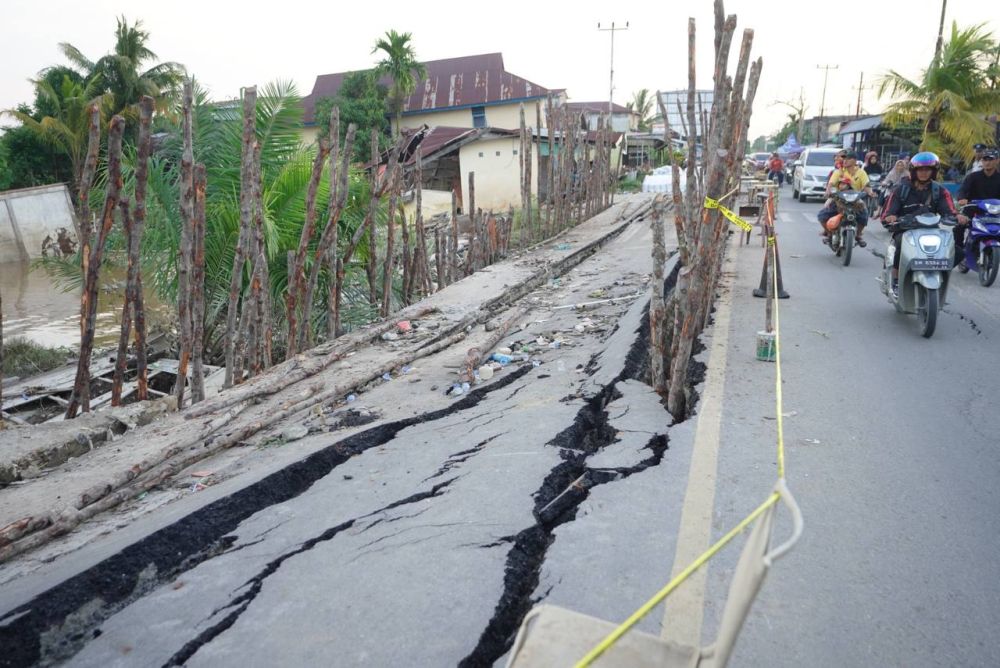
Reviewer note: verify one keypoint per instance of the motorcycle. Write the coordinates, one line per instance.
(843, 226)
(875, 181)
(927, 254)
(984, 228)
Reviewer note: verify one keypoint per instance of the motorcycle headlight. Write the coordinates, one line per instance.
(929, 243)
(992, 209)
(850, 197)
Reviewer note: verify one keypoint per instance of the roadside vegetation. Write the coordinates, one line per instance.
(22, 358)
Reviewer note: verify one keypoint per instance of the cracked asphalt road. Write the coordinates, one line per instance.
(420, 540)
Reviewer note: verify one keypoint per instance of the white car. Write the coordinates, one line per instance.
(813, 171)
(661, 180)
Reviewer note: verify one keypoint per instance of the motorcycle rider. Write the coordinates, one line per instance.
(776, 167)
(922, 194)
(981, 184)
(872, 164)
(977, 162)
(859, 181)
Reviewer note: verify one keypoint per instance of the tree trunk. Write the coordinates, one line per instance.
(471, 251)
(85, 222)
(266, 333)
(133, 312)
(198, 287)
(296, 261)
(370, 267)
(184, 258)
(80, 398)
(657, 307)
(389, 266)
(246, 214)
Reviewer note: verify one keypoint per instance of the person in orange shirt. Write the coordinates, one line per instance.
(776, 167)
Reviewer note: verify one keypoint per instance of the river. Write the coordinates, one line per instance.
(37, 309)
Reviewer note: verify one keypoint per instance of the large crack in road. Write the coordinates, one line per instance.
(51, 628)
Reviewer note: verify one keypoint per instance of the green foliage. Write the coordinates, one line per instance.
(952, 97)
(629, 185)
(362, 101)
(122, 77)
(22, 358)
(400, 62)
(26, 160)
(642, 104)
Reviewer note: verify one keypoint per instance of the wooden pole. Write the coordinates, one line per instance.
(85, 222)
(184, 256)
(246, 213)
(198, 287)
(80, 398)
(266, 333)
(296, 261)
(453, 241)
(370, 267)
(471, 252)
(133, 311)
(389, 265)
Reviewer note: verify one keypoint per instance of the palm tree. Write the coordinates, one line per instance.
(952, 97)
(399, 61)
(642, 105)
(66, 128)
(123, 76)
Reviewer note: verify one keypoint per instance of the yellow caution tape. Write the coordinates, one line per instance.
(627, 625)
(729, 215)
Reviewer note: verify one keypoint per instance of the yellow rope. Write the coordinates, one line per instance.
(625, 626)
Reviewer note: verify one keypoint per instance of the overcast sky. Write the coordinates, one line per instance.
(553, 44)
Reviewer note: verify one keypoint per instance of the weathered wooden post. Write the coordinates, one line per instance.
(80, 398)
(296, 259)
(370, 267)
(198, 287)
(133, 312)
(184, 256)
(243, 242)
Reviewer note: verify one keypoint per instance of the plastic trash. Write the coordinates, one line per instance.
(485, 372)
(351, 397)
(406, 369)
(386, 376)
(404, 326)
(390, 336)
(503, 359)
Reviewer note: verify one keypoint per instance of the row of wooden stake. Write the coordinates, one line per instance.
(579, 185)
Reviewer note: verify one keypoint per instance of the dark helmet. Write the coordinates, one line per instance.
(990, 153)
(924, 159)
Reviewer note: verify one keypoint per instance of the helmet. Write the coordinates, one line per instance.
(833, 222)
(869, 154)
(990, 154)
(846, 180)
(924, 159)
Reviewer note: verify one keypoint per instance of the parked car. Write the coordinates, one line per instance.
(812, 172)
(756, 161)
(661, 180)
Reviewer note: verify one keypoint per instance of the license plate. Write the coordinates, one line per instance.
(931, 263)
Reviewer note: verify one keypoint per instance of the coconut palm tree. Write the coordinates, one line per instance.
(400, 62)
(123, 75)
(67, 125)
(952, 97)
(642, 105)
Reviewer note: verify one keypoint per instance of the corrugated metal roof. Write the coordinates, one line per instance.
(450, 82)
(596, 107)
(861, 125)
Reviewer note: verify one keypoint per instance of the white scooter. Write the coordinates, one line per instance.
(927, 255)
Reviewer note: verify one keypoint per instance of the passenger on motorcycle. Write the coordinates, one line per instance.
(920, 195)
(776, 167)
(981, 184)
(872, 165)
(859, 181)
(977, 161)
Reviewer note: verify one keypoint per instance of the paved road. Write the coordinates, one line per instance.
(423, 540)
(892, 450)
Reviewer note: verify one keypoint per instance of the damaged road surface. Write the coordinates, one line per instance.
(419, 539)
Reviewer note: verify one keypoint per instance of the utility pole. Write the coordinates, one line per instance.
(940, 37)
(611, 89)
(822, 105)
(861, 87)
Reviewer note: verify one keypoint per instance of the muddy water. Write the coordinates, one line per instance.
(37, 309)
